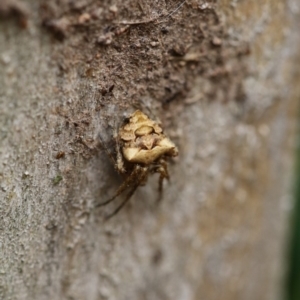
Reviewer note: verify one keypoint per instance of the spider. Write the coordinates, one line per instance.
(142, 149)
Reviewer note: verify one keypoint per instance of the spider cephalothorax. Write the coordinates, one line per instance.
(142, 150)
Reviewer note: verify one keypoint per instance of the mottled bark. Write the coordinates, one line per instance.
(223, 78)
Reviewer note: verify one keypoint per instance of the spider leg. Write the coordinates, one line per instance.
(120, 162)
(117, 162)
(160, 185)
(165, 167)
(163, 173)
(128, 197)
(143, 175)
(123, 186)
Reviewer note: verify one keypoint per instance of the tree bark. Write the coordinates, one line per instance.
(221, 76)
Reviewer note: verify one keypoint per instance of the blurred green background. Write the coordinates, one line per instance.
(293, 276)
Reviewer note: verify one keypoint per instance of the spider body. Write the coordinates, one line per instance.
(142, 149)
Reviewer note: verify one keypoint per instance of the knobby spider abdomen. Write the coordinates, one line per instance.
(144, 141)
(142, 150)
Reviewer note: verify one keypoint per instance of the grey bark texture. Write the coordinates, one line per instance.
(223, 79)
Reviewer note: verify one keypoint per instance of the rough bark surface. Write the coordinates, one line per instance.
(222, 76)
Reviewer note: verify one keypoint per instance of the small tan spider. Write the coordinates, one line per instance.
(142, 149)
